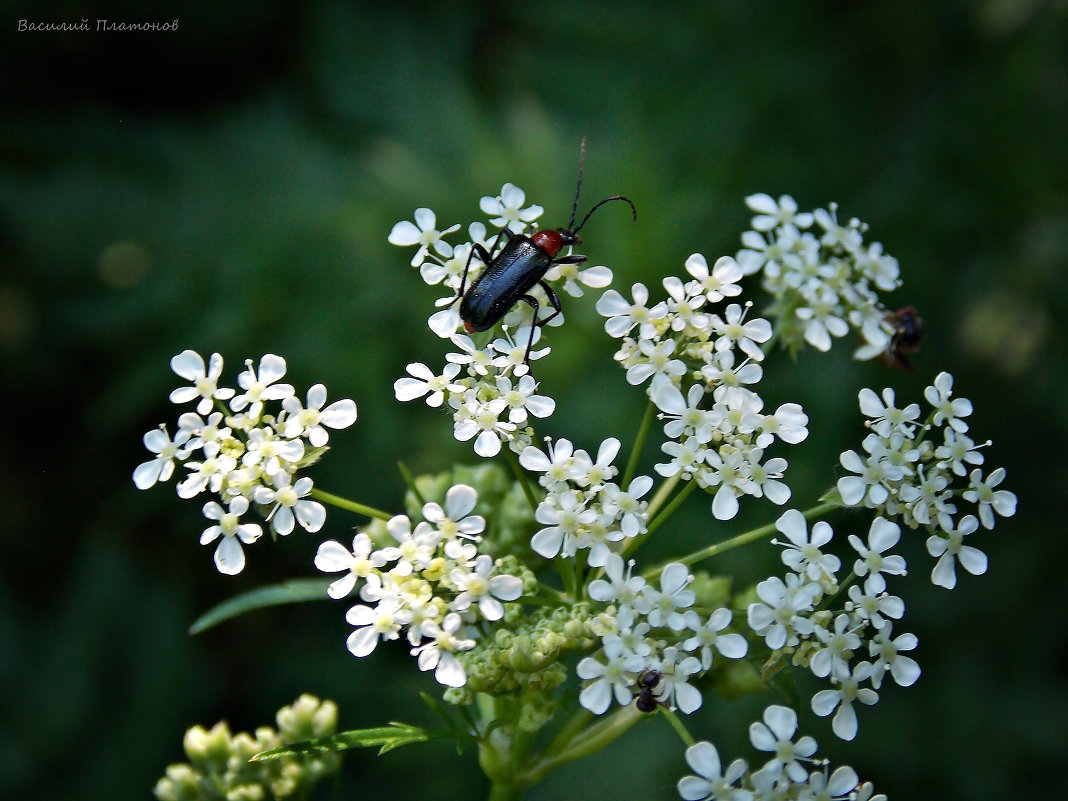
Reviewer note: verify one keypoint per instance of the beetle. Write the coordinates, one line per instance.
(523, 261)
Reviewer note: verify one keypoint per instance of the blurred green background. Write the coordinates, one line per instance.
(230, 187)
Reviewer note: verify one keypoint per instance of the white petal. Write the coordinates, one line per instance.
(340, 414)
(488, 444)
(189, 365)
(688, 698)
(547, 542)
(450, 672)
(362, 641)
(311, 515)
(944, 574)
(272, 368)
(725, 504)
(333, 557)
(507, 588)
(596, 697)
(704, 759)
(824, 702)
(404, 233)
(147, 473)
(596, 277)
(973, 560)
(229, 557)
(781, 720)
(845, 722)
(406, 389)
(691, 788)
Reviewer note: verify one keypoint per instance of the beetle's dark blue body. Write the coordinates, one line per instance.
(515, 270)
(522, 262)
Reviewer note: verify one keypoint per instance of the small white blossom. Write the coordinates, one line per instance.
(383, 621)
(608, 679)
(312, 420)
(229, 556)
(775, 734)
(881, 536)
(507, 207)
(623, 316)
(477, 586)
(721, 282)
(887, 654)
(167, 452)
(842, 698)
(948, 412)
(259, 385)
(711, 782)
(990, 500)
(950, 549)
(778, 616)
(190, 365)
(439, 653)
(359, 563)
(422, 233)
(708, 636)
(290, 505)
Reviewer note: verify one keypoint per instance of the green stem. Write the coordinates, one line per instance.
(352, 506)
(678, 726)
(639, 443)
(569, 731)
(409, 479)
(521, 477)
(742, 539)
(676, 502)
(587, 742)
(662, 494)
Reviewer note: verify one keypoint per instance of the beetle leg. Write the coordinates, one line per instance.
(554, 301)
(533, 301)
(577, 258)
(486, 257)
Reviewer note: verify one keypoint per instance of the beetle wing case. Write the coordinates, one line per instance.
(515, 270)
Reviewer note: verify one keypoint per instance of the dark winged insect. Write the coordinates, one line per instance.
(646, 699)
(905, 341)
(521, 263)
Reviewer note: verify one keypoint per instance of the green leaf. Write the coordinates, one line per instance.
(288, 592)
(385, 737)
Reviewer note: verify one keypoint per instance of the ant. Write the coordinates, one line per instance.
(646, 699)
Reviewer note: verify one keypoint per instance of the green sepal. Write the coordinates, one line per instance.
(288, 592)
(386, 738)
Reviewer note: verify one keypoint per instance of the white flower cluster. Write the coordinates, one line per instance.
(432, 581)
(690, 353)
(493, 399)
(245, 456)
(783, 777)
(915, 471)
(793, 615)
(583, 509)
(655, 634)
(822, 274)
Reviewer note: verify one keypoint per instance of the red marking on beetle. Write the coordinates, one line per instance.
(549, 241)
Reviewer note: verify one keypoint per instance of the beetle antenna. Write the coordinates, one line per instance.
(633, 210)
(578, 185)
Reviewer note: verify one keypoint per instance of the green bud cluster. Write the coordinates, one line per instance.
(219, 767)
(524, 655)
